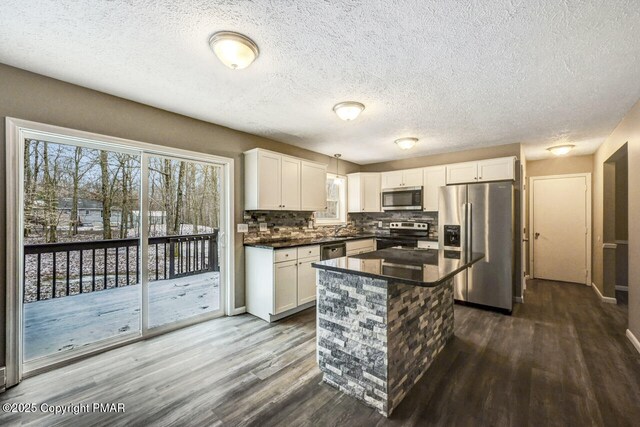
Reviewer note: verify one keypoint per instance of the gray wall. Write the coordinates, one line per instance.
(30, 96)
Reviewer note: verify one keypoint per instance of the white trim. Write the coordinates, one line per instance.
(589, 209)
(633, 340)
(144, 237)
(14, 178)
(608, 300)
(15, 132)
(239, 310)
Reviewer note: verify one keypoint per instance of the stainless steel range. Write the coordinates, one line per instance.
(411, 234)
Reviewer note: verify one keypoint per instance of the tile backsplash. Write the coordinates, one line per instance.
(285, 225)
(369, 222)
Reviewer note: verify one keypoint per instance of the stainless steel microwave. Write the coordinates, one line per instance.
(402, 199)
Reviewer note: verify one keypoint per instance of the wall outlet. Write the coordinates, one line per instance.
(310, 224)
(263, 226)
(243, 228)
(379, 224)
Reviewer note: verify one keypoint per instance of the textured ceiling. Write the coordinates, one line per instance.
(455, 74)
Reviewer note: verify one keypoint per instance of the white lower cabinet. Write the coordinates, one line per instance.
(280, 282)
(306, 281)
(286, 286)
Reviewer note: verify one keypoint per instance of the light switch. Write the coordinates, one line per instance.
(243, 228)
(263, 226)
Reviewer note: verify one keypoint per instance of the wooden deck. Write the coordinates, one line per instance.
(61, 324)
(562, 359)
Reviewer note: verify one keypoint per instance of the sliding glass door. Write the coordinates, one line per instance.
(81, 246)
(183, 226)
(116, 242)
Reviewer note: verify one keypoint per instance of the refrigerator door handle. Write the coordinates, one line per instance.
(469, 231)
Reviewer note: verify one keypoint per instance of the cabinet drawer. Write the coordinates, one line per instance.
(282, 255)
(309, 252)
(357, 245)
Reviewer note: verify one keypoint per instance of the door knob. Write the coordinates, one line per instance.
(537, 235)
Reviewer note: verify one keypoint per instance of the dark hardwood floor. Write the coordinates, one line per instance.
(561, 359)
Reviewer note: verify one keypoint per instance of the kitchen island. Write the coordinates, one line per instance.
(383, 317)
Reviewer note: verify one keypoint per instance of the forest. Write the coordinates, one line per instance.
(77, 193)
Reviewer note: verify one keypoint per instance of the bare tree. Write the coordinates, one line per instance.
(179, 197)
(79, 168)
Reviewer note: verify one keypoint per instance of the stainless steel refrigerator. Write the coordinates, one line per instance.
(480, 218)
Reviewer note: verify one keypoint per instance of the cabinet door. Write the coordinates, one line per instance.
(391, 179)
(496, 169)
(290, 182)
(306, 281)
(286, 287)
(412, 178)
(314, 187)
(434, 178)
(461, 173)
(269, 181)
(370, 192)
(354, 193)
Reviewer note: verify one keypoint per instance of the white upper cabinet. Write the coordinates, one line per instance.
(277, 182)
(460, 173)
(402, 178)
(363, 192)
(496, 169)
(314, 186)
(412, 178)
(267, 191)
(391, 179)
(434, 178)
(290, 184)
(499, 169)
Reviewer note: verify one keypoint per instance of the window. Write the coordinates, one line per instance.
(336, 212)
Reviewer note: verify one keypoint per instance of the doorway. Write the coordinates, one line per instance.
(112, 241)
(615, 227)
(561, 228)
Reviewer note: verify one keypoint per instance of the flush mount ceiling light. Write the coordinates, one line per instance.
(561, 150)
(406, 143)
(234, 50)
(348, 110)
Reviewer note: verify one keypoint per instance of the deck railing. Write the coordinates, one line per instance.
(54, 270)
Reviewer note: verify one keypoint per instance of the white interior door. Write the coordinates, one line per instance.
(561, 228)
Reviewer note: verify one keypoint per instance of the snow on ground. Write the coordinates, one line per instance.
(56, 325)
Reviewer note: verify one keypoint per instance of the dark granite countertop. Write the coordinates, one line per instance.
(293, 243)
(419, 267)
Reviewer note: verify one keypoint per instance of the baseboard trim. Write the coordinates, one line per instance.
(518, 299)
(239, 310)
(608, 300)
(633, 340)
(3, 378)
(622, 288)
